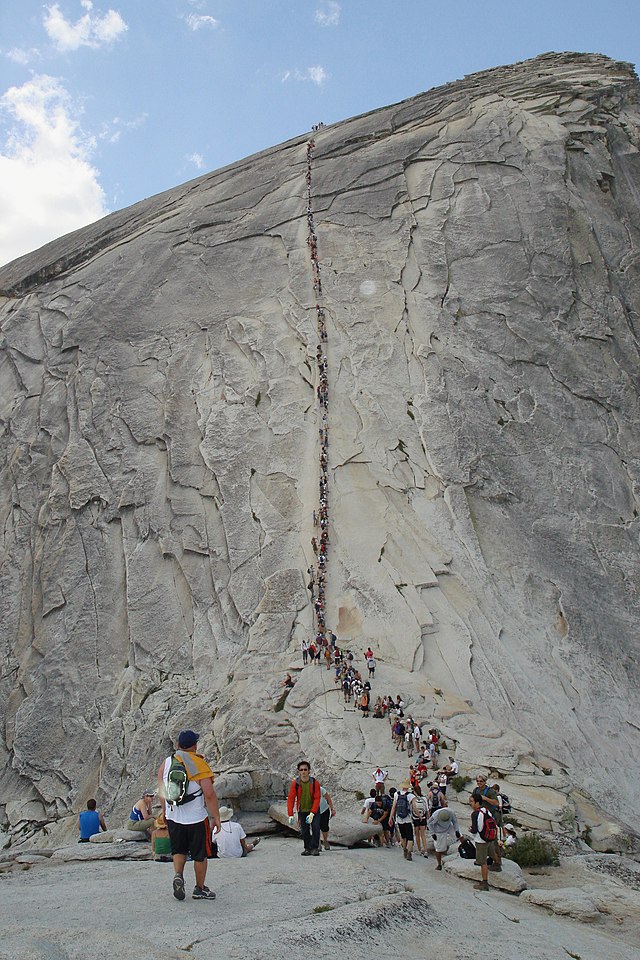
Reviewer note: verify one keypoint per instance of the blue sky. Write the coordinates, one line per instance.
(103, 104)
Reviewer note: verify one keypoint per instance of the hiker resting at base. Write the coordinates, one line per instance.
(141, 817)
(230, 841)
(160, 842)
(91, 822)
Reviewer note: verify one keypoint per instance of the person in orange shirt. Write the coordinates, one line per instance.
(304, 796)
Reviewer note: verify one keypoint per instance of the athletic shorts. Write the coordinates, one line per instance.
(191, 839)
(406, 831)
(484, 850)
(324, 821)
(422, 822)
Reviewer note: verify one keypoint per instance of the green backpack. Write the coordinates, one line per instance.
(176, 783)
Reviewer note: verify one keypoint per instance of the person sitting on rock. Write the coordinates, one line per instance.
(91, 822)
(510, 836)
(231, 840)
(160, 842)
(369, 802)
(288, 682)
(141, 817)
(451, 769)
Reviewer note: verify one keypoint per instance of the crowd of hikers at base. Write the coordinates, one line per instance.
(410, 814)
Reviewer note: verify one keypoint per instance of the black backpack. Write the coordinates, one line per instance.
(467, 849)
(506, 803)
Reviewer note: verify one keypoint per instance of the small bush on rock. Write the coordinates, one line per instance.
(459, 783)
(532, 851)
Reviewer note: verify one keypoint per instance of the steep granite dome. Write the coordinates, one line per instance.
(479, 254)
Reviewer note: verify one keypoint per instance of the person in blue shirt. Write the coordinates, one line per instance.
(91, 821)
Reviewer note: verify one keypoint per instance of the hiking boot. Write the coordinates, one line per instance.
(439, 867)
(315, 853)
(326, 845)
(305, 853)
(256, 842)
(409, 856)
(404, 854)
(202, 893)
(483, 885)
(178, 887)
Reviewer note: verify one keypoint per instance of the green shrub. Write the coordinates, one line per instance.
(459, 782)
(547, 771)
(532, 851)
(359, 796)
(324, 908)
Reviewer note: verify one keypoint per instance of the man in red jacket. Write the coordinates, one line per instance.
(304, 795)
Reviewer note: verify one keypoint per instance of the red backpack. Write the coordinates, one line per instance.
(489, 828)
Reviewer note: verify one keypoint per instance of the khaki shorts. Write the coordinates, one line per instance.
(484, 850)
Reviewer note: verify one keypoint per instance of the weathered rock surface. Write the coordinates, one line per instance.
(568, 902)
(510, 878)
(346, 902)
(103, 851)
(158, 460)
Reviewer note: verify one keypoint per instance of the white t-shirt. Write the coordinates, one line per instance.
(454, 766)
(379, 775)
(228, 839)
(194, 811)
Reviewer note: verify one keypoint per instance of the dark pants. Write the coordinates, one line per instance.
(310, 833)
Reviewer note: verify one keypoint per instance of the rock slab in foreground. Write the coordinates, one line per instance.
(510, 879)
(568, 902)
(103, 851)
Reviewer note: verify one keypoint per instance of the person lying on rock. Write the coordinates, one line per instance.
(288, 682)
(90, 822)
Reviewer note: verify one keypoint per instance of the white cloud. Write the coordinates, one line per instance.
(328, 15)
(316, 75)
(47, 184)
(22, 56)
(91, 30)
(112, 131)
(198, 21)
(197, 159)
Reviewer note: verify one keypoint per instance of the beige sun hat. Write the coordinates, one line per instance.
(405, 785)
(225, 814)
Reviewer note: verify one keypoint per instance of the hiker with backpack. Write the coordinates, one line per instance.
(489, 798)
(304, 796)
(419, 817)
(443, 827)
(401, 815)
(186, 784)
(484, 833)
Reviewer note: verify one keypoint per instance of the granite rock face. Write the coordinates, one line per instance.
(479, 251)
